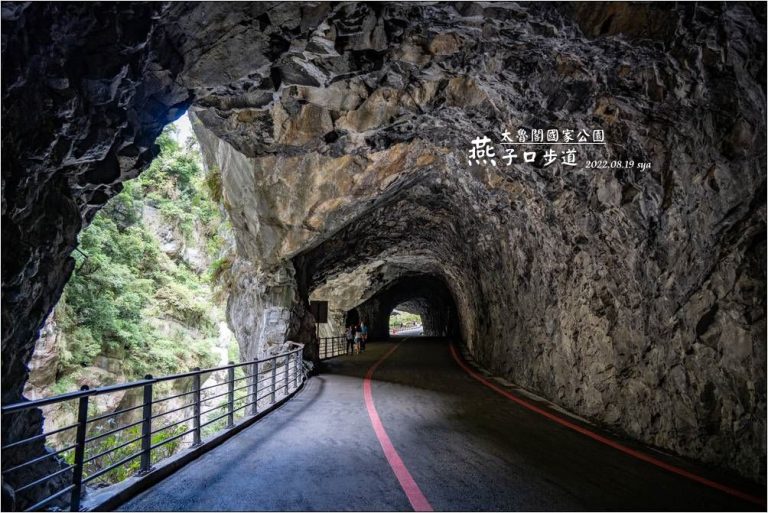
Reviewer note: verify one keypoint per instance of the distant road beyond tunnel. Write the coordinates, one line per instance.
(462, 445)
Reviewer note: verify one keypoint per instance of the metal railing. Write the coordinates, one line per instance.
(331, 347)
(139, 435)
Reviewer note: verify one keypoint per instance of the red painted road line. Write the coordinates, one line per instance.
(411, 489)
(607, 441)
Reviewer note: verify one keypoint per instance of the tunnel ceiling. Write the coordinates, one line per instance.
(635, 298)
(419, 230)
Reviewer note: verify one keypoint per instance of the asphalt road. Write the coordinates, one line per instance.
(465, 447)
(414, 331)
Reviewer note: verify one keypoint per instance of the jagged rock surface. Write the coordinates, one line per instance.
(635, 298)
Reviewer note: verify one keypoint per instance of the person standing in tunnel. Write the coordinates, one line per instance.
(350, 336)
(358, 338)
(363, 335)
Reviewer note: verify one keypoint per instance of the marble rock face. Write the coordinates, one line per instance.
(634, 297)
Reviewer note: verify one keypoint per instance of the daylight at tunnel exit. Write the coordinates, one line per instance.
(383, 256)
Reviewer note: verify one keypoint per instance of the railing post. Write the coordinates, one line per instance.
(287, 369)
(274, 378)
(255, 388)
(297, 367)
(146, 428)
(77, 471)
(196, 407)
(231, 396)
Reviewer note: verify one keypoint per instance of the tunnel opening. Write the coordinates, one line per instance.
(146, 296)
(405, 323)
(424, 303)
(148, 268)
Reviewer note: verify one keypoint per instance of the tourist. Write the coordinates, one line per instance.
(358, 340)
(350, 336)
(364, 335)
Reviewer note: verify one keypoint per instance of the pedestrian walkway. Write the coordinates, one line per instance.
(465, 446)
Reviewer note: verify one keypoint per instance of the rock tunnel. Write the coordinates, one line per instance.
(635, 298)
(420, 294)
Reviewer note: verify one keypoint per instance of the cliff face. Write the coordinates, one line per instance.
(635, 297)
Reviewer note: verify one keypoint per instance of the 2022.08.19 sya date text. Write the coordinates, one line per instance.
(617, 164)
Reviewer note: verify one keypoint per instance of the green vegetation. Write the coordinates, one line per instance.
(130, 300)
(215, 185)
(399, 320)
(221, 277)
(114, 449)
(138, 303)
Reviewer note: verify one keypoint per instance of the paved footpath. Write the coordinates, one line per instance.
(424, 434)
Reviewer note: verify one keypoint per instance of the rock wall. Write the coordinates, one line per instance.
(86, 93)
(259, 309)
(633, 297)
(629, 296)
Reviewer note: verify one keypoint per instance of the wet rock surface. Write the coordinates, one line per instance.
(633, 297)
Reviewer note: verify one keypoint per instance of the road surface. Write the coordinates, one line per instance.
(424, 434)
(413, 331)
